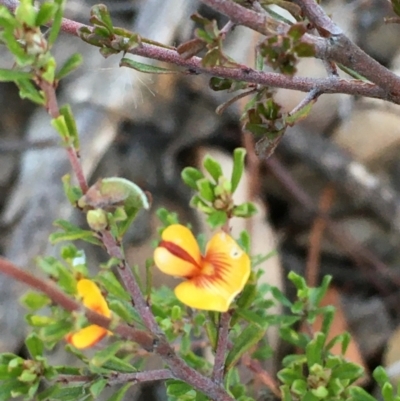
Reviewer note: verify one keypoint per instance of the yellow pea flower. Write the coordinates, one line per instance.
(212, 280)
(93, 299)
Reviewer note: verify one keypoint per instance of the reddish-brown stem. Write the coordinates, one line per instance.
(115, 250)
(54, 112)
(140, 377)
(343, 51)
(316, 236)
(262, 375)
(337, 47)
(219, 363)
(275, 80)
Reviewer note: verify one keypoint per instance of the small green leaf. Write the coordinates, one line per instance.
(34, 345)
(101, 357)
(280, 297)
(45, 13)
(27, 377)
(99, 15)
(212, 333)
(246, 209)
(14, 75)
(359, 394)
(57, 20)
(250, 336)
(314, 349)
(112, 285)
(299, 387)
(206, 189)
(289, 375)
(119, 394)
(217, 219)
(55, 332)
(116, 364)
(70, 65)
(69, 119)
(190, 176)
(28, 91)
(239, 155)
(97, 387)
(49, 71)
(352, 73)
(347, 371)
(72, 233)
(68, 393)
(73, 193)
(6, 389)
(202, 205)
(146, 68)
(26, 13)
(328, 316)
(48, 392)
(298, 281)
(125, 310)
(387, 392)
(35, 300)
(300, 114)
(286, 393)
(213, 167)
(245, 241)
(180, 390)
(381, 376)
(61, 126)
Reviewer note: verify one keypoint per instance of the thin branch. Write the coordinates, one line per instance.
(217, 375)
(229, 26)
(19, 146)
(54, 112)
(140, 377)
(312, 96)
(246, 74)
(325, 26)
(338, 47)
(343, 51)
(331, 69)
(316, 236)
(262, 375)
(114, 249)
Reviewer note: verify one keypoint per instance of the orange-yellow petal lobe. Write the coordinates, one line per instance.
(178, 253)
(231, 263)
(200, 297)
(92, 297)
(87, 337)
(225, 271)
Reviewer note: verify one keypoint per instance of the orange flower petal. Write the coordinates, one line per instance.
(225, 271)
(178, 253)
(87, 337)
(92, 297)
(198, 297)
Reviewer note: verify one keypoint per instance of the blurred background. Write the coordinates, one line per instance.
(329, 198)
